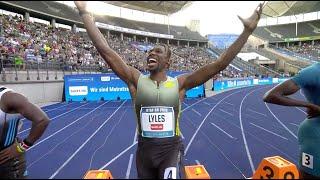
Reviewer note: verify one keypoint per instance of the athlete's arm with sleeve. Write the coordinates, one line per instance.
(12, 102)
(188, 81)
(127, 73)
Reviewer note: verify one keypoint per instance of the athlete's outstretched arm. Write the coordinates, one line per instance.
(127, 73)
(278, 95)
(200, 76)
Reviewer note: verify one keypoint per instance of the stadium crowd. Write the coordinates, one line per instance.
(24, 42)
(306, 49)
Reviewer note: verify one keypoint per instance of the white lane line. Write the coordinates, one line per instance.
(207, 103)
(194, 135)
(257, 112)
(66, 138)
(56, 117)
(181, 135)
(223, 131)
(295, 124)
(135, 135)
(120, 154)
(185, 104)
(242, 131)
(195, 103)
(106, 138)
(197, 162)
(225, 112)
(129, 167)
(223, 154)
(269, 131)
(48, 110)
(301, 110)
(302, 93)
(281, 122)
(196, 112)
(64, 127)
(229, 103)
(71, 157)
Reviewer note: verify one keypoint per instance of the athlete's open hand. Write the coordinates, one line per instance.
(251, 23)
(313, 111)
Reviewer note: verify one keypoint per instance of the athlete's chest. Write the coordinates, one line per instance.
(165, 93)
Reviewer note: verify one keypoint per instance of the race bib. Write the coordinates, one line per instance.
(157, 121)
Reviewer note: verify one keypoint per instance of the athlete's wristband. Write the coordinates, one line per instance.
(28, 143)
(20, 149)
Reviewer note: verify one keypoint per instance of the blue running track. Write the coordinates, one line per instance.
(229, 133)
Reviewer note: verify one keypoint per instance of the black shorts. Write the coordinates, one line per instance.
(159, 158)
(14, 168)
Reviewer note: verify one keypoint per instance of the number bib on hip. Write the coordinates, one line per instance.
(157, 121)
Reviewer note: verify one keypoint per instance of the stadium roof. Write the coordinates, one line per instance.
(157, 7)
(288, 8)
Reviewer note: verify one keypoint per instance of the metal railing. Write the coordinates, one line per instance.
(9, 67)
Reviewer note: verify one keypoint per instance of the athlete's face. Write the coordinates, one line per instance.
(157, 59)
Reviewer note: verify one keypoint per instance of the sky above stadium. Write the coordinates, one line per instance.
(216, 17)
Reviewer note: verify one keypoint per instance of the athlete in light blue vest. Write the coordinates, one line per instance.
(308, 80)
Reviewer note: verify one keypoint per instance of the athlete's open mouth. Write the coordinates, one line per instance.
(151, 61)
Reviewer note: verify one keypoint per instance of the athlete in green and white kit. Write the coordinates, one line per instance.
(157, 97)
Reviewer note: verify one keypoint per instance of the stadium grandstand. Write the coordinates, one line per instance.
(47, 55)
(290, 31)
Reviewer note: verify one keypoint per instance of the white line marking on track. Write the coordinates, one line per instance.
(295, 124)
(66, 138)
(225, 112)
(64, 127)
(301, 110)
(302, 93)
(242, 130)
(135, 135)
(269, 131)
(229, 103)
(194, 104)
(185, 104)
(281, 122)
(71, 157)
(192, 138)
(129, 166)
(257, 112)
(181, 135)
(56, 116)
(49, 110)
(207, 103)
(106, 138)
(223, 131)
(196, 112)
(120, 154)
(197, 162)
